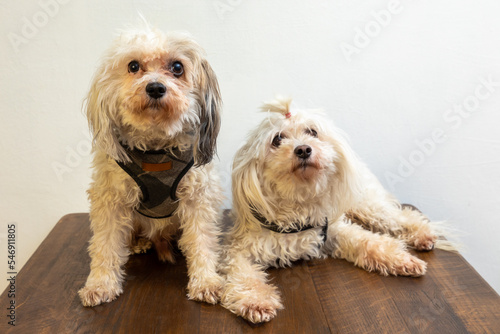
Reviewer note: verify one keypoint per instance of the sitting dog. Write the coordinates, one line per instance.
(298, 192)
(153, 108)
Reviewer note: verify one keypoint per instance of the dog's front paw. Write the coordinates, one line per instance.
(258, 302)
(93, 295)
(410, 266)
(259, 311)
(208, 291)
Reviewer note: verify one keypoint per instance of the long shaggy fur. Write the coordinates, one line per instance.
(121, 114)
(366, 225)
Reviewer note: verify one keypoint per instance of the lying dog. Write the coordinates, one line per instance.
(297, 188)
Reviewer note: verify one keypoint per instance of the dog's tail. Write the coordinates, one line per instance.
(280, 105)
(448, 237)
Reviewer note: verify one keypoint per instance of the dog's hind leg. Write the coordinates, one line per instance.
(383, 214)
(373, 251)
(164, 248)
(139, 245)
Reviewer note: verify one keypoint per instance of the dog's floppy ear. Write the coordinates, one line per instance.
(247, 194)
(100, 105)
(347, 183)
(210, 104)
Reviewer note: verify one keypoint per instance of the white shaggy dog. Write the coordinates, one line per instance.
(297, 189)
(154, 110)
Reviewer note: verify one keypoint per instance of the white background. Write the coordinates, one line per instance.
(399, 87)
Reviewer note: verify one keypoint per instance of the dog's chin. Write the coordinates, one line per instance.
(156, 114)
(158, 109)
(306, 171)
(154, 106)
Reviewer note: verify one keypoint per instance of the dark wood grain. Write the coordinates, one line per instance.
(321, 296)
(353, 299)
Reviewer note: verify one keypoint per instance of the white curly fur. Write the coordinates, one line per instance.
(120, 112)
(285, 189)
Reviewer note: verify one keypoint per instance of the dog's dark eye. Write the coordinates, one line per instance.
(177, 68)
(277, 140)
(133, 66)
(312, 132)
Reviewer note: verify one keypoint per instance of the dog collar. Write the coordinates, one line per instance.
(276, 228)
(158, 173)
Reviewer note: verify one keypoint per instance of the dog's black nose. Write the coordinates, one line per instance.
(156, 90)
(303, 151)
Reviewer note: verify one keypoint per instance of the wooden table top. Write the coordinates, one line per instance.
(321, 296)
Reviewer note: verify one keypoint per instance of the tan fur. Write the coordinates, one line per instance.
(120, 111)
(139, 245)
(334, 184)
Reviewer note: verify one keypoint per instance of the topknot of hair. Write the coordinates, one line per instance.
(279, 104)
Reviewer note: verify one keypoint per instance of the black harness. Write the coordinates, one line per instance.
(158, 173)
(276, 228)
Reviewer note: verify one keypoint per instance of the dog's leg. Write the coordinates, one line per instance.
(163, 246)
(199, 243)
(373, 252)
(140, 245)
(199, 211)
(247, 293)
(108, 249)
(417, 231)
(383, 214)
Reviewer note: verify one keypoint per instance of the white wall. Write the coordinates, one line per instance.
(397, 88)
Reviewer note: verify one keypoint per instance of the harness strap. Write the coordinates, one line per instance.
(158, 174)
(276, 228)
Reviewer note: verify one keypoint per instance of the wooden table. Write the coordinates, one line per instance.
(322, 296)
